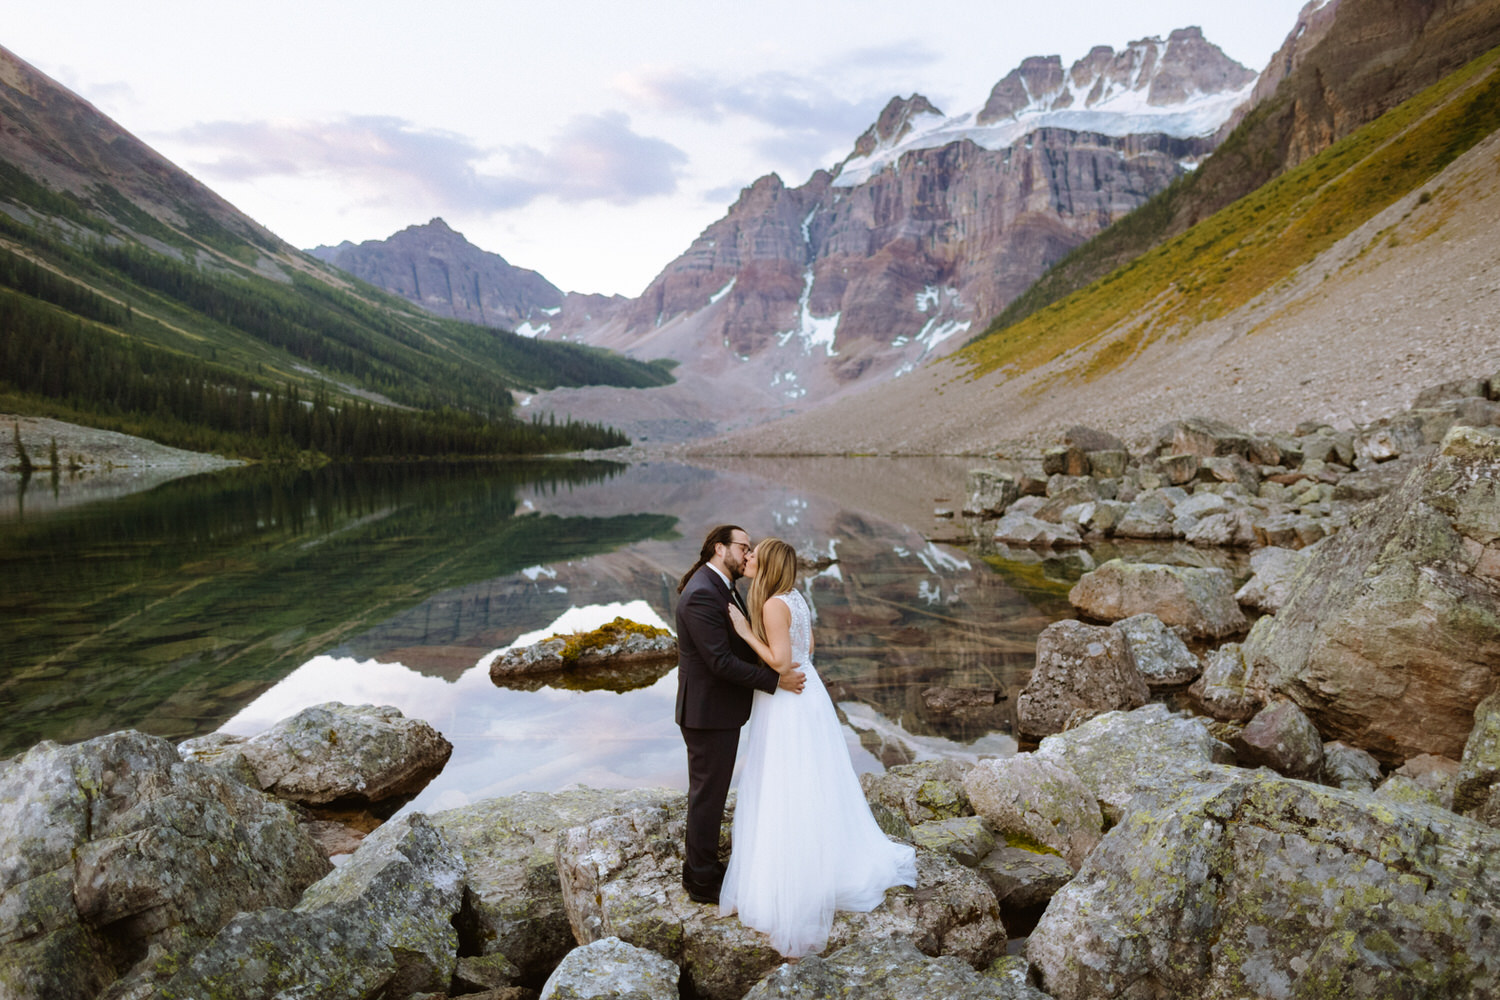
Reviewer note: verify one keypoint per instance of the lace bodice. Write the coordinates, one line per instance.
(801, 626)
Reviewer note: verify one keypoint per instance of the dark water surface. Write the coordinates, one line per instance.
(234, 599)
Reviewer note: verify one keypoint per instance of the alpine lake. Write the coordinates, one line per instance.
(231, 600)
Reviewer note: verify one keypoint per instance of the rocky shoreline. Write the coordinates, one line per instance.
(1325, 822)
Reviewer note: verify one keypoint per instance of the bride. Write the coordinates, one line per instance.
(805, 843)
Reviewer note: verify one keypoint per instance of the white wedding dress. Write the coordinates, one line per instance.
(805, 843)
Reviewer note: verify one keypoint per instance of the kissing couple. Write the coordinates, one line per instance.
(804, 841)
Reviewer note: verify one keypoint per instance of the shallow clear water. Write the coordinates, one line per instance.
(233, 600)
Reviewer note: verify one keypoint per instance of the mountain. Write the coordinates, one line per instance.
(1344, 63)
(437, 269)
(134, 298)
(931, 224)
(1333, 293)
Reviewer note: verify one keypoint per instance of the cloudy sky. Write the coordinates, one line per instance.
(591, 140)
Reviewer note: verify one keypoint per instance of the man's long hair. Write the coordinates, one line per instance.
(775, 573)
(722, 535)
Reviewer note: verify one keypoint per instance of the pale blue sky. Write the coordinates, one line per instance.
(591, 140)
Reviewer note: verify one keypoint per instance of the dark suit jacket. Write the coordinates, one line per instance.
(717, 672)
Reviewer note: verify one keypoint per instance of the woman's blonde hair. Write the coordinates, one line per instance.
(775, 573)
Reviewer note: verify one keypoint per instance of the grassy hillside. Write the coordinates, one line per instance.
(1247, 248)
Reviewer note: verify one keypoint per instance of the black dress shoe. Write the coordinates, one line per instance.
(701, 893)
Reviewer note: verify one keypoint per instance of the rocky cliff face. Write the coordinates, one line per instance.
(931, 223)
(445, 274)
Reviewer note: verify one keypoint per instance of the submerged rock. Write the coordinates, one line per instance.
(115, 849)
(348, 755)
(1249, 884)
(619, 643)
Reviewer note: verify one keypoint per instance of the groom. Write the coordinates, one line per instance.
(716, 676)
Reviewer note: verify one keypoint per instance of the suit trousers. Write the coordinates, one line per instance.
(711, 754)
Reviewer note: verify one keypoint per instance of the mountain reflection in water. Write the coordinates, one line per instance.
(225, 602)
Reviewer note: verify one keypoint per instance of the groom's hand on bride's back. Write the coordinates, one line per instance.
(792, 681)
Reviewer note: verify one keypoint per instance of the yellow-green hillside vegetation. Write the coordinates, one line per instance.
(1258, 241)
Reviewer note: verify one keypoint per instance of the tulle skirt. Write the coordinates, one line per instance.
(805, 843)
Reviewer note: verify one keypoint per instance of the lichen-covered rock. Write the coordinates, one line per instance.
(349, 755)
(1349, 768)
(1426, 778)
(1159, 654)
(888, 969)
(1120, 756)
(380, 924)
(927, 790)
(1479, 770)
(1249, 884)
(1024, 876)
(966, 838)
(1149, 516)
(610, 969)
(1390, 634)
(115, 848)
(475, 973)
(1226, 689)
(1040, 799)
(622, 876)
(1234, 527)
(1078, 668)
(1273, 569)
(1281, 737)
(509, 845)
(1198, 599)
(1023, 529)
(989, 493)
(619, 642)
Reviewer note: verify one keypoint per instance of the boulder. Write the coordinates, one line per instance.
(1390, 633)
(1349, 768)
(335, 755)
(1033, 532)
(1064, 492)
(921, 792)
(967, 839)
(889, 969)
(115, 849)
(1478, 788)
(1065, 461)
(622, 876)
(1149, 516)
(1177, 469)
(1199, 600)
(610, 969)
(616, 644)
(1107, 463)
(1231, 469)
(1280, 737)
(1234, 527)
(1023, 876)
(1370, 484)
(1121, 756)
(1159, 654)
(1226, 689)
(1289, 531)
(381, 924)
(1208, 438)
(476, 973)
(1249, 884)
(1273, 569)
(989, 493)
(1390, 439)
(1091, 439)
(514, 901)
(1078, 667)
(1427, 779)
(1039, 799)
(1469, 388)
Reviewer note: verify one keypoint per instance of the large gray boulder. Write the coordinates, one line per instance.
(890, 969)
(622, 876)
(1122, 756)
(989, 492)
(1227, 690)
(1478, 791)
(921, 792)
(1159, 654)
(1280, 737)
(1080, 669)
(333, 754)
(1038, 799)
(610, 969)
(1273, 570)
(115, 848)
(381, 924)
(1349, 768)
(1249, 884)
(1390, 635)
(509, 846)
(1199, 600)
